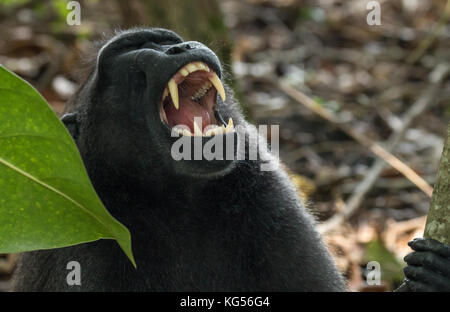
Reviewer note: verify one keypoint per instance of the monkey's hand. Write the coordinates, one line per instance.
(428, 266)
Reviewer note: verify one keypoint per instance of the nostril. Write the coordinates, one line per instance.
(179, 49)
(174, 50)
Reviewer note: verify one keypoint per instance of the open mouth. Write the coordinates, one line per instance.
(191, 107)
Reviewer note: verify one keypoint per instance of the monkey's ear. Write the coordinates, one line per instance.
(71, 122)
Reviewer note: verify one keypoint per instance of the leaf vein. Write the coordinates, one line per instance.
(29, 176)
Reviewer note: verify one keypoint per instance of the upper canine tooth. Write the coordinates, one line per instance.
(173, 89)
(218, 85)
(165, 93)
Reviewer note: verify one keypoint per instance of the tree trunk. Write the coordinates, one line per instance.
(438, 221)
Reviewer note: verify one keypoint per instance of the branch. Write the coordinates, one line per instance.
(374, 147)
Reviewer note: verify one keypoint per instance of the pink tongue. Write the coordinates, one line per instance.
(185, 114)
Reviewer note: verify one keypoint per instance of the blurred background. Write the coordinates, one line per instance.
(339, 86)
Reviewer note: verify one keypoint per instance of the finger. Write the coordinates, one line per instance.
(429, 260)
(429, 279)
(429, 244)
(416, 286)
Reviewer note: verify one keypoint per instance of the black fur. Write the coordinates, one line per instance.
(232, 227)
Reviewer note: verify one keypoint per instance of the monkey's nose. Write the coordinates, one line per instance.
(179, 49)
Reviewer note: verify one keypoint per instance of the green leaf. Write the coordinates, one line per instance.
(46, 197)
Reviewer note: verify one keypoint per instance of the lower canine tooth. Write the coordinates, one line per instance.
(230, 126)
(173, 89)
(218, 85)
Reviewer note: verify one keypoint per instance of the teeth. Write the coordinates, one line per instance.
(173, 89)
(197, 131)
(215, 130)
(191, 67)
(218, 85)
(178, 130)
(219, 130)
(184, 72)
(201, 92)
(183, 131)
(230, 126)
(202, 66)
(212, 132)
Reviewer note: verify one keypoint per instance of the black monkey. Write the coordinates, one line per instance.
(196, 225)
